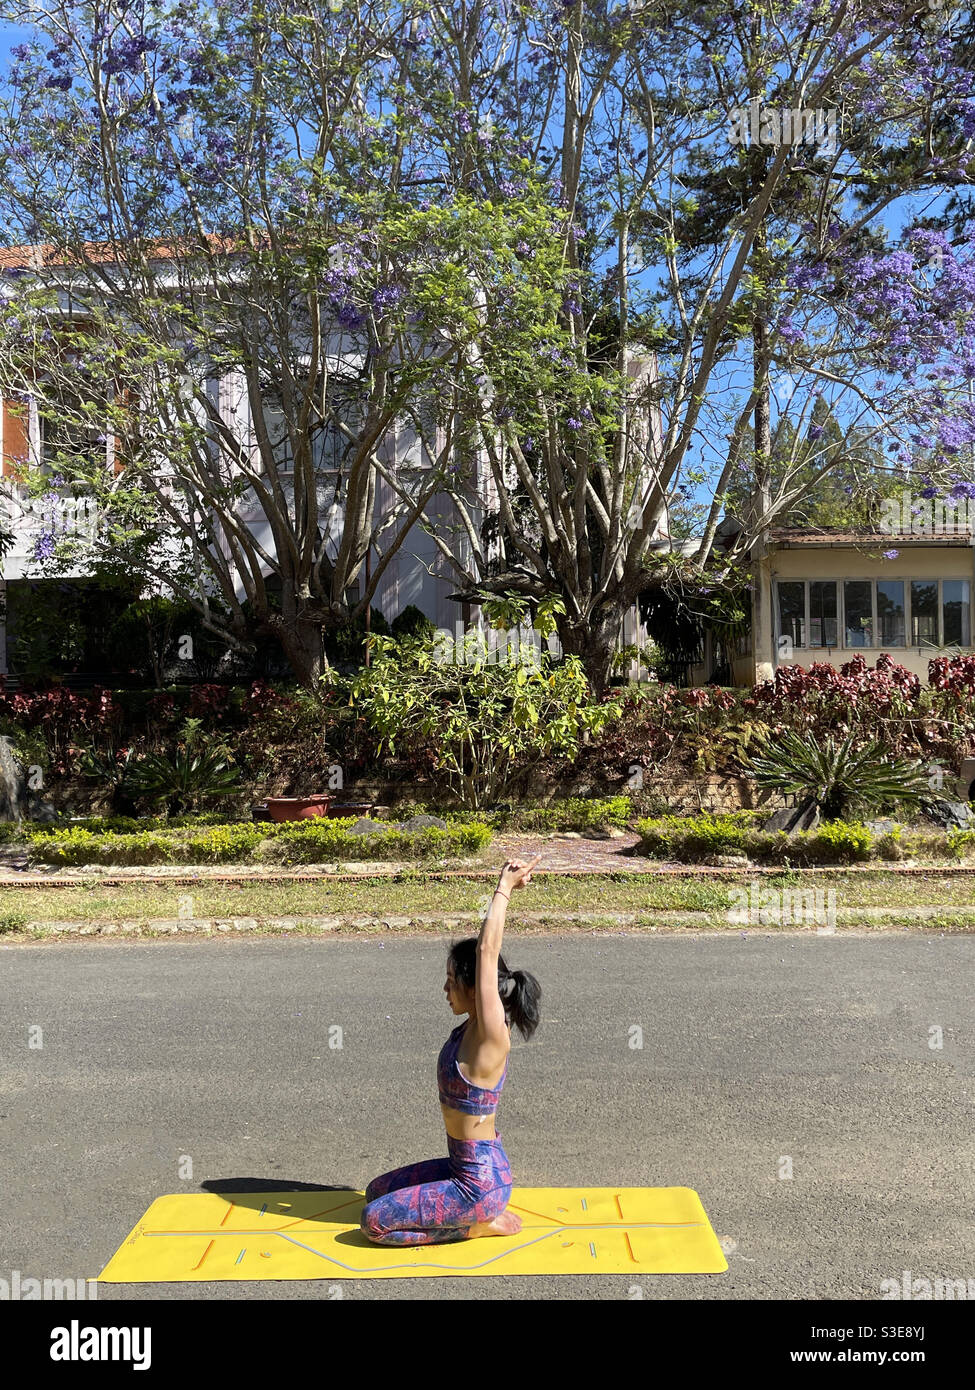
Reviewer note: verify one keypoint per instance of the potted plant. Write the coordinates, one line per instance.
(281, 808)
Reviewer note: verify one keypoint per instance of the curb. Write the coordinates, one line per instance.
(489, 875)
(190, 926)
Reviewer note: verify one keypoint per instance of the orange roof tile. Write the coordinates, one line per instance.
(34, 257)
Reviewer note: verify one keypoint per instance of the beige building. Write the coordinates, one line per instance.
(830, 596)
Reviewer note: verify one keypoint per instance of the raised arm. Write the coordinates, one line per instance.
(490, 1010)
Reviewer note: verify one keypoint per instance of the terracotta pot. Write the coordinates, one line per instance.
(281, 808)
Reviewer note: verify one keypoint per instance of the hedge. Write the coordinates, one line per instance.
(690, 839)
(307, 842)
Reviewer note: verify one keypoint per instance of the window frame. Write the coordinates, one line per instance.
(873, 581)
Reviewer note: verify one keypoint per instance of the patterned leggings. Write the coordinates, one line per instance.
(437, 1201)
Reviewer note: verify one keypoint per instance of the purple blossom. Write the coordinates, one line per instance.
(348, 315)
(789, 331)
(44, 546)
(387, 296)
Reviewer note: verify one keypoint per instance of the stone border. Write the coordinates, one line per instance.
(198, 874)
(461, 921)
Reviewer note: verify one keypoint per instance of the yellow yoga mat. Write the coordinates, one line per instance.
(315, 1235)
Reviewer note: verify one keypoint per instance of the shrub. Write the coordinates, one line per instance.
(190, 774)
(836, 775)
(839, 842)
(959, 842)
(479, 724)
(691, 838)
(306, 842)
(569, 813)
(345, 645)
(412, 623)
(61, 717)
(326, 841)
(221, 844)
(821, 698)
(889, 845)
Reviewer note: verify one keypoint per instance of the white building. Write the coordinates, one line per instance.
(417, 574)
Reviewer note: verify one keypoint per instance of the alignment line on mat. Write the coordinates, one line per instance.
(353, 1269)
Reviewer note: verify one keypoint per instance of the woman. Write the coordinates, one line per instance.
(466, 1194)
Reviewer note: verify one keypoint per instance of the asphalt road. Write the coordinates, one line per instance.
(756, 1050)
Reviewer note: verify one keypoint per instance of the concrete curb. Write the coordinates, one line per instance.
(326, 875)
(456, 921)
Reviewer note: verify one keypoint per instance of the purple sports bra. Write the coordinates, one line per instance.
(455, 1090)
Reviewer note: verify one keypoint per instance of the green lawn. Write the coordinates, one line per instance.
(660, 902)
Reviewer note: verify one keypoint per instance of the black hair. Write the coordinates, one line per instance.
(521, 994)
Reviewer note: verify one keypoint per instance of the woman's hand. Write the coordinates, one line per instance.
(516, 875)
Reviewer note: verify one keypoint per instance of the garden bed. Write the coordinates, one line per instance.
(297, 842)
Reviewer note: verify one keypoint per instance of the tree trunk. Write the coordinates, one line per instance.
(594, 643)
(302, 644)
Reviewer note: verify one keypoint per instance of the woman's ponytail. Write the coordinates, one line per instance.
(521, 995)
(520, 992)
(523, 1008)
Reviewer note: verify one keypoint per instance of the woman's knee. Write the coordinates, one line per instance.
(369, 1223)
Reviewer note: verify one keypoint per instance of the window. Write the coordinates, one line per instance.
(858, 612)
(890, 612)
(955, 612)
(70, 413)
(792, 612)
(822, 613)
(924, 612)
(65, 433)
(928, 612)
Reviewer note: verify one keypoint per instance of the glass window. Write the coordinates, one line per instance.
(792, 612)
(822, 613)
(924, 612)
(955, 608)
(890, 612)
(65, 435)
(858, 612)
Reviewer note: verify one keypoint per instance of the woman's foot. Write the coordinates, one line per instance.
(507, 1224)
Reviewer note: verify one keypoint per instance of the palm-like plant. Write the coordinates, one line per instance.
(836, 774)
(191, 774)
